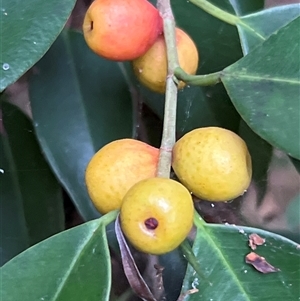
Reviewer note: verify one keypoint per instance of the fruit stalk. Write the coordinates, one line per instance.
(168, 136)
(109, 217)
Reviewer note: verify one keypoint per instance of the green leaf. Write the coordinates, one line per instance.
(245, 7)
(79, 102)
(73, 265)
(221, 252)
(14, 238)
(264, 87)
(32, 203)
(255, 28)
(27, 29)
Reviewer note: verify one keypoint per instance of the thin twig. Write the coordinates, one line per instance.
(168, 136)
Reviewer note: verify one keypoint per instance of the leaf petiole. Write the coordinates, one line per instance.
(199, 222)
(192, 259)
(109, 217)
(216, 12)
(198, 80)
(187, 250)
(223, 15)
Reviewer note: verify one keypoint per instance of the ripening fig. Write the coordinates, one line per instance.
(213, 163)
(115, 168)
(151, 68)
(121, 30)
(156, 215)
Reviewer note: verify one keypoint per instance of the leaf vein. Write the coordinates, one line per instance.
(73, 263)
(262, 78)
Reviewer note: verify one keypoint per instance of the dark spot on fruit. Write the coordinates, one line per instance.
(92, 25)
(151, 223)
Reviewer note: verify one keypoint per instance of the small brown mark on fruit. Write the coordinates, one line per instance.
(92, 25)
(151, 223)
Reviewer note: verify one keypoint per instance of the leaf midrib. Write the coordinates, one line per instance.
(260, 78)
(216, 247)
(77, 256)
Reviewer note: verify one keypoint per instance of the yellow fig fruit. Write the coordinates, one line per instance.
(213, 163)
(151, 68)
(156, 215)
(115, 168)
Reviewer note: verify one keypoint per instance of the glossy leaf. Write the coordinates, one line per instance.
(264, 87)
(221, 252)
(245, 7)
(14, 236)
(73, 265)
(219, 46)
(79, 102)
(32, 203)
(256, 28)
(27, 30)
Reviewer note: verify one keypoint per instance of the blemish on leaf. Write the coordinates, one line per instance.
(255, 240)
(5, 66)
(260, 263)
